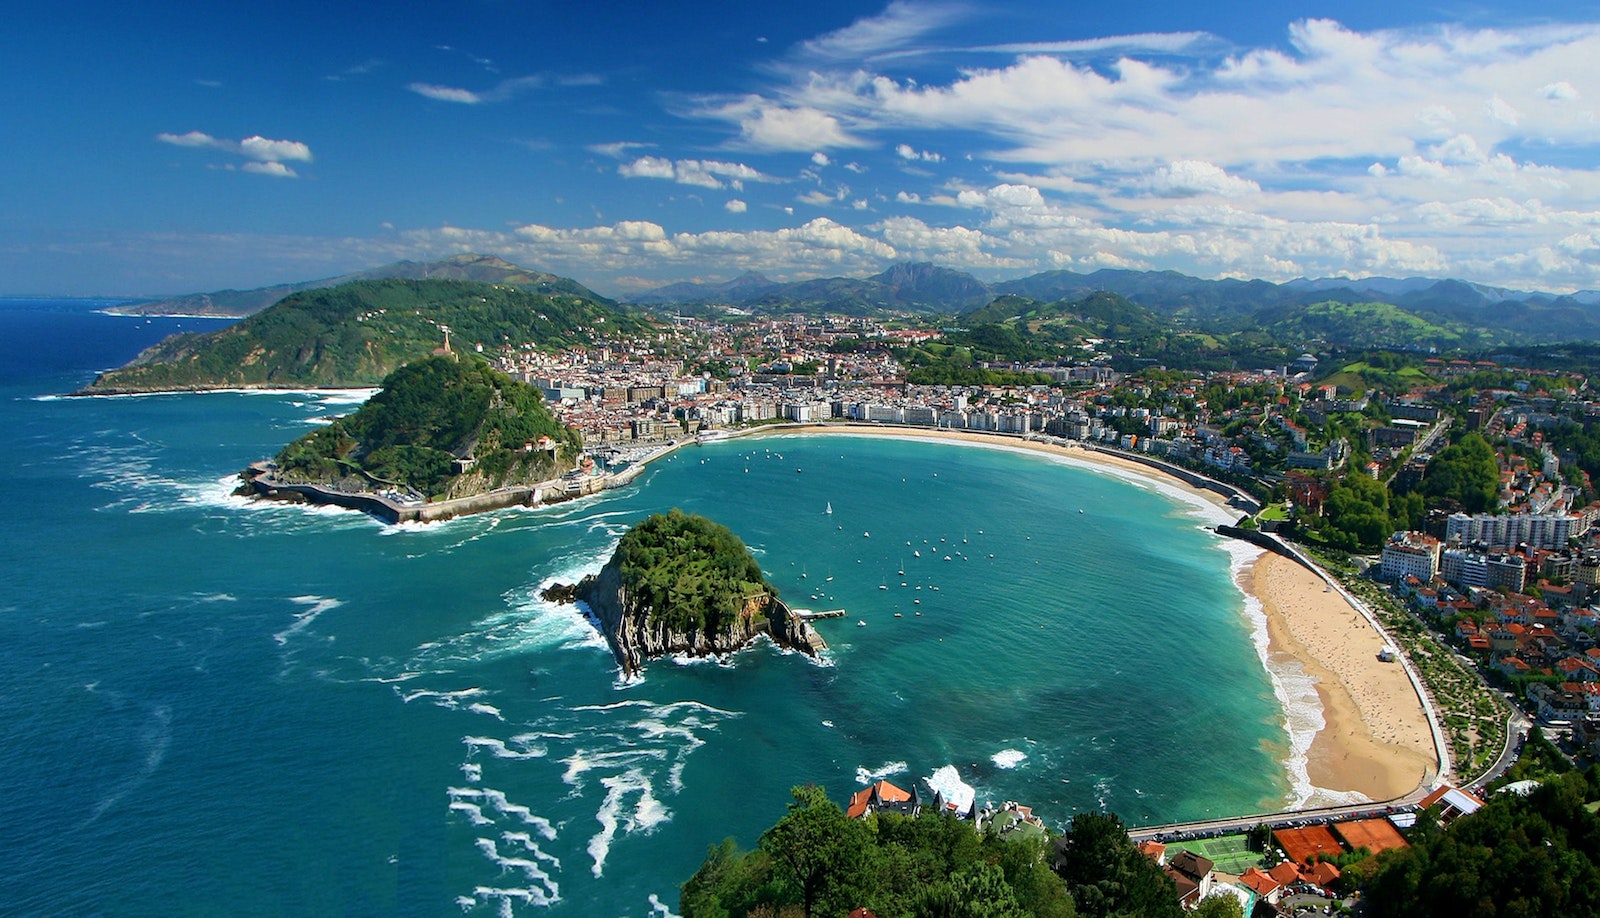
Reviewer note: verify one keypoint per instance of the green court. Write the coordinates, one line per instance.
(1231, 853)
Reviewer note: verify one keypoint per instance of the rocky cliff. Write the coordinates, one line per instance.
(636, 635)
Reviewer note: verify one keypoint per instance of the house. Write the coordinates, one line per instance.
(1323, 874)
(883, 797)
(1192, 874)
(1453, 803)
(1266, 888)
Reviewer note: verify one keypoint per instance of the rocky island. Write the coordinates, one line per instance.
(680, 583)
(448, 432)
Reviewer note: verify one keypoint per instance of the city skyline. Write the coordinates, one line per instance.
(629, 148)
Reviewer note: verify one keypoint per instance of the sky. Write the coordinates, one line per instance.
(151, 149)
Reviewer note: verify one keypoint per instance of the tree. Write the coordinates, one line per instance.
(820, 857)
(1465, 473)
(1219, 905)
(1106, 874)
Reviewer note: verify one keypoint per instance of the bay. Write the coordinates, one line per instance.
(214, 706)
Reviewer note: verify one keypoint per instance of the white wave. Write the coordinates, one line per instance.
(155, 735)
(342, 397)
(500, 750)
(646, 815)
(660, 908)
(473, 811)
(865, 775)
(1008, 758)
(450, 700)
(947, 783)
(489, 709)
(505, 807)
(527, 842)
(530, 869)
(315, 606)
(506, 896)
(582, 762)
(472, 771)
(658, 710)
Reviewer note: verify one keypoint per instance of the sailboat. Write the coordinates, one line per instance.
(829, 511)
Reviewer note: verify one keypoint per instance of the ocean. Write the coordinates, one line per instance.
(213, 706)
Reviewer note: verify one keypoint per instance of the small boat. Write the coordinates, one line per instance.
(830, 508)
(916, 602)
(860, 623)
(916, 554)
(1080, 509)
(898, 615)
(829, 580)
(866, 535)
(883, 586)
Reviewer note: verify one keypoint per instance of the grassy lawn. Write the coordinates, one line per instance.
(1275, 512)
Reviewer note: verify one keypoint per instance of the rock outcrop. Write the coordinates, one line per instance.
(635, 635)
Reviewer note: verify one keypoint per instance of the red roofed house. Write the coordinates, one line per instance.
(1264, 885)
(1324, 874)
(882, 795)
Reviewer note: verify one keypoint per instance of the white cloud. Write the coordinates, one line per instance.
(773, 126)
(501, 92)
(905, 151)
(445, 93)
(735, 206)
(697, 172)
(1187, 178)
(619, 149)
(1560, 91)
(274, 169)
(900, 24)
(267, 156)
(820, 158)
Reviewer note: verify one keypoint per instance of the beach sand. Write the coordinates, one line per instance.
(1375, 740)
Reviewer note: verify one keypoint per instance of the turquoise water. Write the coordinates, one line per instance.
(212, 706)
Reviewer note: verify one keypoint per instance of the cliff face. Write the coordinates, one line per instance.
(634, 638)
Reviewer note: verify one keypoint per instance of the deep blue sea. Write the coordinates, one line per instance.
(215, 707)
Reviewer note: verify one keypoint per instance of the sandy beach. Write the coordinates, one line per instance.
(1376, 739)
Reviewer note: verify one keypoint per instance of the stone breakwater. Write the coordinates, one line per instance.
(634, 638)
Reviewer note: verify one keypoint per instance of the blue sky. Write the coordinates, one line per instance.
(177, 147)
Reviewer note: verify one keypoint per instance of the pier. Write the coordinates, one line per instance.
(806, 615)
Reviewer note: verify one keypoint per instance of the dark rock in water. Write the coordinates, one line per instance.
(635, 635)
(562, 593)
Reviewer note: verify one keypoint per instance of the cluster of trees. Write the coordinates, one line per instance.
(1533, 855)
(1361, 512)
(690, 572)
(817, 861)
(428, 414)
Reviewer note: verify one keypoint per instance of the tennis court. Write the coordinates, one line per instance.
(1231, 853)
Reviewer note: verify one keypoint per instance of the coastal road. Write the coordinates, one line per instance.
(1234, 825)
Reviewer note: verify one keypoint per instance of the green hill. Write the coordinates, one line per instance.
(357, 333)
(470, 267)
(428, 415)
(1362, 325)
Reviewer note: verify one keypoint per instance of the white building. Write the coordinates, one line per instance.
(1410, 554)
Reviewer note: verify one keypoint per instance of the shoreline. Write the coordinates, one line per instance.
(1356, 730)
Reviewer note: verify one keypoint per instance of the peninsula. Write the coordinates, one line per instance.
(681, 583)
(355, 334)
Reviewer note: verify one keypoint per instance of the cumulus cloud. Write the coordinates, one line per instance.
(905, 151)
(1560, 91)
(820, 158)
(697, 172)
(266, 156)
(735, 206)
(1187, 178)
(775, 127)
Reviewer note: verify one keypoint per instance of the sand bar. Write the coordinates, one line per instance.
(1376, 740)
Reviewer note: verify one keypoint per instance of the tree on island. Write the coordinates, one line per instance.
(692, 573)
(427, 415)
